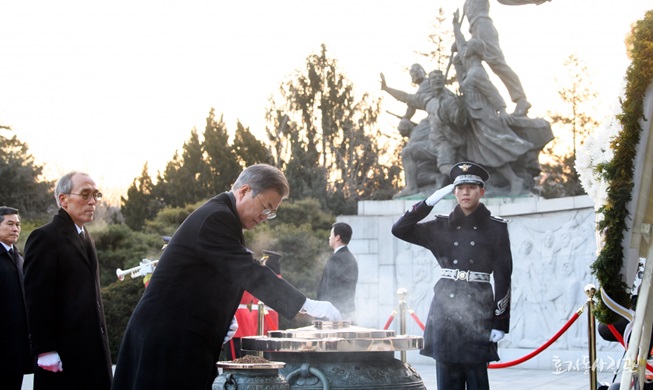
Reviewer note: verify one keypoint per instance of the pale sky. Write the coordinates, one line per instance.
(104, 87)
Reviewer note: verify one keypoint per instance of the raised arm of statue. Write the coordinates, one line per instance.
(395, 93)
(460, 41)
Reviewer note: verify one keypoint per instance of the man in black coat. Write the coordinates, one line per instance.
(338, 283)
(15, 356)
(176, 332)
(62, 292)
(467, 316)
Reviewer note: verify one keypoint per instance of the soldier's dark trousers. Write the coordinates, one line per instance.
(454, 376)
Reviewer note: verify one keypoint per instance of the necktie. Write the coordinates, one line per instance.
(82, 237)
(19, 266)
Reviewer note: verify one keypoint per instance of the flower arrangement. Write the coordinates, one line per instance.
(607, 173)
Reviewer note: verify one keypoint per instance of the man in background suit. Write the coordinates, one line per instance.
(338, 283)
(62, 292)
(15, 357)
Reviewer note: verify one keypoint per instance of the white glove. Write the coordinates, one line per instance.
(50, 361)
(321, 309)
(439, 194)
(496, 335)
(232, 330)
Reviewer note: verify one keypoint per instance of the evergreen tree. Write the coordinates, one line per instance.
(441, 42)
(23, 185)
(333, 139)
(559, 177)
(220, 160)
(141, 203)
(249, 149)
(180, 183)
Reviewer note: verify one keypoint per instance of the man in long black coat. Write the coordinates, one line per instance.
(467, 317)
(62, 292)
(340, 275)
(176, 332)
(15, 355)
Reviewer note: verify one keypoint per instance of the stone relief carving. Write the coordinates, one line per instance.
(551, 259)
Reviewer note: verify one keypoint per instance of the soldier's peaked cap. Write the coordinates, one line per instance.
(468, 173)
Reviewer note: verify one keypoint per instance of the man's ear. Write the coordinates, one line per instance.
(240, 194)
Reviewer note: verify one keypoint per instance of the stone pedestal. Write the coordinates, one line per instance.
(553, 244)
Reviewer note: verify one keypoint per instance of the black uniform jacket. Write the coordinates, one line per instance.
(175, 334)
(64, 306)
(463, 313)
(15, 354)
(338, 283)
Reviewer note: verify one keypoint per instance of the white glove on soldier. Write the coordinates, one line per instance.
(50, 361)
(496, 335)
(439, 194)
(321, 309)
(233, 328)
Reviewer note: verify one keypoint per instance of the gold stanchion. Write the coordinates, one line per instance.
(590, 290)
(402, 292)
(261, 323)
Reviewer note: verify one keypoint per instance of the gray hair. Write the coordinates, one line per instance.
(65, 185)
(262, 177)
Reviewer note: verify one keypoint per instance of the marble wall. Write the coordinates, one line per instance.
(553, 244)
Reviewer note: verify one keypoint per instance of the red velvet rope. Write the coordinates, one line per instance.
(511, 363)
(392, 317)
(620, 339)
(540, 349)
(414, 315)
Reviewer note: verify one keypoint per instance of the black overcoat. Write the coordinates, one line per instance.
(64, 306)
(462, 313)
(15, 354)
(175, 334)
(338, 283)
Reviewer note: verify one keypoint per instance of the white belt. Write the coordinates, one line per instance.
(469, 276)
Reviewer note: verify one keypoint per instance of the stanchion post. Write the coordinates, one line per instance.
(402, 292)
(261, 323)
(590, 290)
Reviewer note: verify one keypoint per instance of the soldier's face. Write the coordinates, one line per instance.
(469, 196)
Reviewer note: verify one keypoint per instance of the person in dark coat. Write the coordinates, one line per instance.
(467, 316)
(338, 282)
(176, 333)
(15, 355)
(62, 292)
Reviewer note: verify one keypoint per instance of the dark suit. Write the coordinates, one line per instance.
(64, 306)
(15, 356)
(175, 334)
(338, 283)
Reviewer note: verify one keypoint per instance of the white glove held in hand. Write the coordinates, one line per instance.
(321, 309)
(233, 328)
(50, 361)
(496, 335)
(439, 194)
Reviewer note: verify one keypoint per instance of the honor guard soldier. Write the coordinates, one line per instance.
(468, 316)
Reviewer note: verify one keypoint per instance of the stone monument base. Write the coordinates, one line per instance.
(553, 244)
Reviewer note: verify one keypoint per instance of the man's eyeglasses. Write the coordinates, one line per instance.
(88, 195)
(269, 214)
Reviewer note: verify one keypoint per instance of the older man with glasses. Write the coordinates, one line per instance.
(62, 293)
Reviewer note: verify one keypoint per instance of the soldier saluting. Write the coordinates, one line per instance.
(467, 316)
